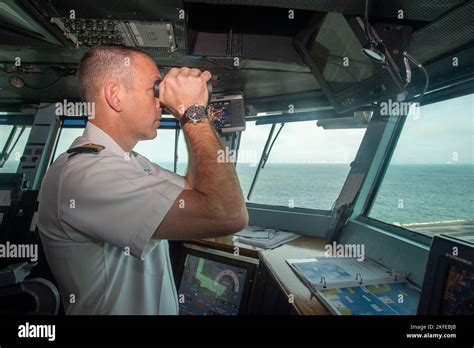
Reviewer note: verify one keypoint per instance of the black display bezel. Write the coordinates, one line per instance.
(378, 87)
(434, 283)
(249, 267)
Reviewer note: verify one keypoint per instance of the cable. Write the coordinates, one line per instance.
(47, 86)
(375, 40)
(375, 48)
(18, 82)
(419, 65)
(366, 21)
(407, 71)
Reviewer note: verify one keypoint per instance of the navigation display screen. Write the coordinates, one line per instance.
(210, 287)
(221, 114)
(458, 297)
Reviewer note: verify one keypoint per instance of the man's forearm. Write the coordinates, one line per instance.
(207, 174)
(191, 163)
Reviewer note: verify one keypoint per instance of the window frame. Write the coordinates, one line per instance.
(70, 122)
(27, 127)
(278, 216)
(368, 201)
(383, 241)
(260, 214)
(298, 220)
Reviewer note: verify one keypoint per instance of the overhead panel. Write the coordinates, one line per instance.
(91, 32)
(156, 26)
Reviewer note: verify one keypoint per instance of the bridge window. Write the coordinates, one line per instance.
(159, 150)
(429, 184)
(306, 168)
(67, 136)
(10, 155)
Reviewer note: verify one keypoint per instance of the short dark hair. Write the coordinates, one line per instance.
(101, 62)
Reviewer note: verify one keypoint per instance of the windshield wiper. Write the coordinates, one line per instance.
(265, 154)
(8, 148)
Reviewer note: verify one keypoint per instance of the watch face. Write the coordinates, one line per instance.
(196, 113)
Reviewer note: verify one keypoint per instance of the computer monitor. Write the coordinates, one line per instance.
(213, 284)
(448, 286)
(331, 45)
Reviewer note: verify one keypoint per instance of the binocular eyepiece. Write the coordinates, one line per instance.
(156, 89)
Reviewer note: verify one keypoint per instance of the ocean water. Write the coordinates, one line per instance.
(425, 193)
(315, 186)
(410, 193)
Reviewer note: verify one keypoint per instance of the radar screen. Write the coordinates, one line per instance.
(210, 287)
(458, 297)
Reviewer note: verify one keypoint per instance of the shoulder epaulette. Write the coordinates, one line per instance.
(86, 148)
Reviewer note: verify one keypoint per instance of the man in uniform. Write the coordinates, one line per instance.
(106, 212)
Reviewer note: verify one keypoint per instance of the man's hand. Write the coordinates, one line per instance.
(182, 88)
(212, 203)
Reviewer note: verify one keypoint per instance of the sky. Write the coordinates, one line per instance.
(440, 130)
(443, 133)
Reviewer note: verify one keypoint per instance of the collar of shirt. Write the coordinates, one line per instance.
(95, 135)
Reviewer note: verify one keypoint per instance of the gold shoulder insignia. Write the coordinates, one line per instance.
(86, 148)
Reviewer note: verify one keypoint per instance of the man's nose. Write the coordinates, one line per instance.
(158, 104)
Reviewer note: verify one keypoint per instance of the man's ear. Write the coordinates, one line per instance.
(113, 96)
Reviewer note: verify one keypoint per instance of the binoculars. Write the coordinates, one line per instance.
(156, 89)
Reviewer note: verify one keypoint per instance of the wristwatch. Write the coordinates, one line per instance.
(194, 114)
